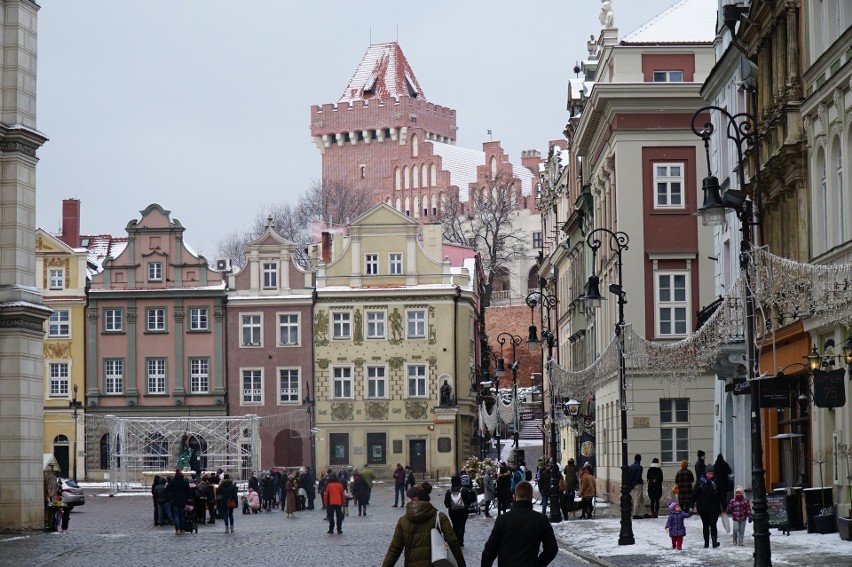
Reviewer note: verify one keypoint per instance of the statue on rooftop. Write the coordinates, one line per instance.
(607, 17)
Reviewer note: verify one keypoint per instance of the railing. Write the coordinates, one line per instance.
(508, 297)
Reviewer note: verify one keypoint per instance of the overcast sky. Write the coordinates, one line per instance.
(204, 106)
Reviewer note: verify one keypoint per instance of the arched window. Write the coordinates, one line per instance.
(416, 207)
(398, 204)
(407, 207)
(156, 451)
(821, 208)
(433, 175)
(434, 205)
(425, 176)
(397, 179)
(105, 451)
(406, 181)
(60, 440)
(415, 176)
(493, 167)
(532, 278)
(414, 146)
(839, 201)
(199, 448)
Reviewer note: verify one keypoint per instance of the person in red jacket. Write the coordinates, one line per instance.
(334, 498)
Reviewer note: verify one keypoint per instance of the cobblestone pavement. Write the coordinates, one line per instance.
(119, 531)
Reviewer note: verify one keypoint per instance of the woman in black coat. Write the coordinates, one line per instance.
(458, 512)
(706, 500)
(654, 480)
(723, 473)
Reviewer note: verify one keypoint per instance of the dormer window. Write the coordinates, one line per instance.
(155, 271)
(270, 275)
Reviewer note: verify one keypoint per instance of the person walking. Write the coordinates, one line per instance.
(412, 534)
(684, 482)
(504, 489)
(722, 472)
(700, 465)
(456, 502)
(290, 496)
(398, 486)
(154, 484)
(637, 488)
(655, 486)
(177, 489)
(488, 492)
(588, 491)
(675, 525)
(361, 492)
(544, 487)
(570, 482)
(227, 501)
(739, 509)
(522, 536)
(369, 477)
(310, 486)
(409, 478)
(163, 505)
(334, 498)
(706, 500)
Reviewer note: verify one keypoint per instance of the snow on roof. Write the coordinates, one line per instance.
(688, 21)
(383, 73)
(100, 247)
(462, 164)
(26, 305)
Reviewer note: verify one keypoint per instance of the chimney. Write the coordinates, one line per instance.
(531, 160)
(71, 222)
(326, 247)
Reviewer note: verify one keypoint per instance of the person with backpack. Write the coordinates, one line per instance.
(457, 501)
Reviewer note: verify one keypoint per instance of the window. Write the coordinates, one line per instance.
(338, 448)
(377, 448)
(668, 184)
(155, 271)
(672, 304)
(198, 319)
(58, 379)
(156, 320)
(199, 376)
(288, 386)
(113, 320)
(342, 377)
(416, 324)
(445, 444)
(416, 381)
(341, 324)
(371, 262)
(288, 329)
(252, 387)
(674, 441)
(375, 324)
(363, 168)
(113, 376)
(536, 242)
(251, 330)
(270, 275)
(156, 375)
(56, 278)
(395, 262)
(59, 324)
(668, 76)
(376, 382)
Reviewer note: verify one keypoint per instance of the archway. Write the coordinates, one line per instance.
(62, 454)
(288, 449)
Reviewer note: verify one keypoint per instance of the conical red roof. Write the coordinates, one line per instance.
(383, 73)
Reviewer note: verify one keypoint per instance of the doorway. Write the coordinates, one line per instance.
(417, 455)
(288, 449)
(62, 456)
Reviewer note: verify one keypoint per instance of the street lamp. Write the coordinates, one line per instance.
(617, 242)
(548, 302)
(514, 341)
(742, 130)
(75, 405)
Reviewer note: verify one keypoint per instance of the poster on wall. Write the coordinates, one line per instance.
(586, 451)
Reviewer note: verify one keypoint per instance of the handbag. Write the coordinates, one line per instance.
(726, 523)
(441, 554)
(232, 503)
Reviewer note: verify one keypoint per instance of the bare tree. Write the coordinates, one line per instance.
(485, 224)
(233, 246)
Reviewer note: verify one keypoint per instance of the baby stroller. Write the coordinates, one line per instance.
(190, 520)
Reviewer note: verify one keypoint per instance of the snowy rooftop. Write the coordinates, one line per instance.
(100, 247)
(688, 21)
(383, 73)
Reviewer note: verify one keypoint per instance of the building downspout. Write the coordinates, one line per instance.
(456, 365)
(312, 407)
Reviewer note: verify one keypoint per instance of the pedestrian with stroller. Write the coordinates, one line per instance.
(739, 508)
(675, 525)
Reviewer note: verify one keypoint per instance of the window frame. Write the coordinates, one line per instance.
(56, 283)
(668, 180)
(155, 271)
(674, 428)
(371, 264)
(667, 75)
(348, 380)
(60, 328)
(298, 378)
(161, 386)
(345, 323)
(109, 321)
(55, 382)
(417, 379)
(149, 311)
(371, 326)
(197, 316)
(395, 266)
(258, 326)
(256, 388)
(383, 380)
(409, 320)
(672, 305)
(113, 382)
(269, 275)
(293, 327)
(198, 379)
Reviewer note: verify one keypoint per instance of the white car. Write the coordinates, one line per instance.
(72, 494)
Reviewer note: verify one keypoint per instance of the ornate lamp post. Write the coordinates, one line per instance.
(75, 405)
(741, 129)
(617, 242)
(548, 302)
(514, 341)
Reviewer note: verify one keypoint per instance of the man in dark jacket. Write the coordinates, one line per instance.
(637, 488)
(518, 534)
(544, 486)
(399, 486)
(700, 465)
(177, 489)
